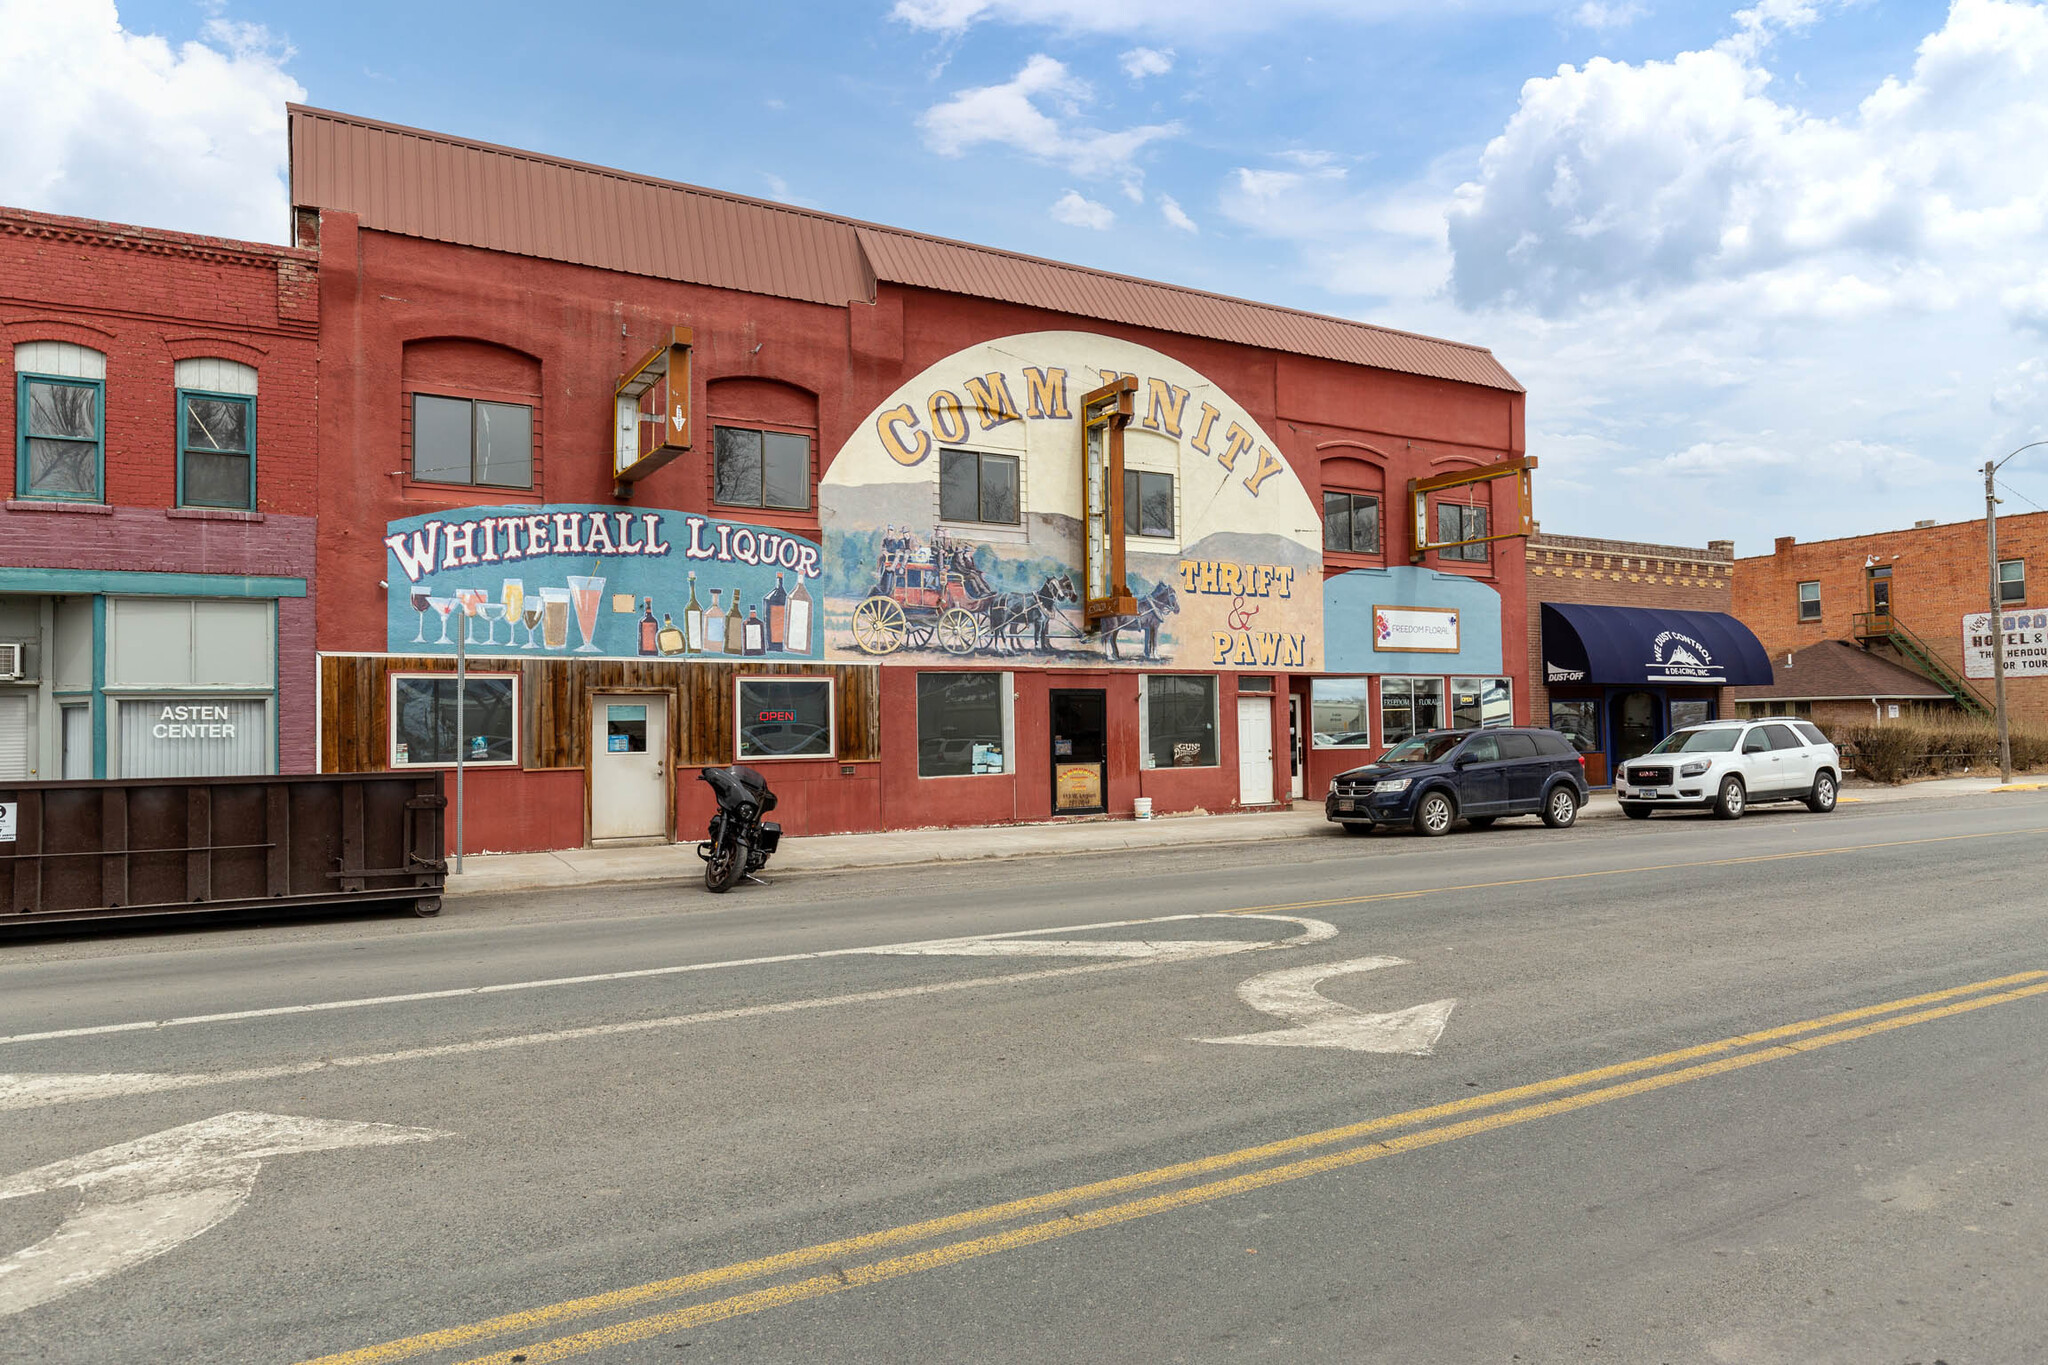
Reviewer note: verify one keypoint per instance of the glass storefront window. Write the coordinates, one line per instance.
(1341, 712)
(785, 718)
(1578, 720)
(423, 719)
(1410, 706)
(1478, 703)
(962, 724)
(1180, 721)
(1689, 711)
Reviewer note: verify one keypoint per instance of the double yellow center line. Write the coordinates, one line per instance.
(1105, 1203)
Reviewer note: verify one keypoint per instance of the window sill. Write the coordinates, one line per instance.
(91, 509)
(1353, 559)
(211, 514)
(470, 494)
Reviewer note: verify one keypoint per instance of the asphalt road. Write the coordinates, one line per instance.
(1768, 1091)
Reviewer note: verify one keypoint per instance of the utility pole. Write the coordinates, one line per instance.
(462, 695)
(1997, 622)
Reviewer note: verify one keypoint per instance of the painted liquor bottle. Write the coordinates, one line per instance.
(650, 629)
(714, 627)
(797, 640)
(671, 638)
(693, 620)
(735, 627)
(777, 608)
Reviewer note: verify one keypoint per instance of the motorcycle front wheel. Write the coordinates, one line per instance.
(722, 870)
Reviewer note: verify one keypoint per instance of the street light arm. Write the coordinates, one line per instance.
(2028, 446)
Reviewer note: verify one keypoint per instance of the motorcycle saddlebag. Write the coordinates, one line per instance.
(771, 835)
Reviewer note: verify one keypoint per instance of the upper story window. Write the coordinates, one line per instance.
(978, 486)
(2012, 580)
(1351, 523)
(1148, 503)
(761, 468)
(216, 434)
(59, 406)
(1809, 601)
(469, 441)
(1460, 521)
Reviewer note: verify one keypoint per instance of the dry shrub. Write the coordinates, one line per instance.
(1934, 746)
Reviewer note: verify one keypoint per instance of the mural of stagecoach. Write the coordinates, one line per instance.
(913, 568)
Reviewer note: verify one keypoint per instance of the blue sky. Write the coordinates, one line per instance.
(1776, 270)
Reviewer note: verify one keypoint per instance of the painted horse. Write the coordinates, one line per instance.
(1153, 608)
(1010, 613)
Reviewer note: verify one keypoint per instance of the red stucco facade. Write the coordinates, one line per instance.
(399, 312)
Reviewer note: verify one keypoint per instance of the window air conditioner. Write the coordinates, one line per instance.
(10, 662)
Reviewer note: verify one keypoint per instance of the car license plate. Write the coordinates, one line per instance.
(1346, 803)
(1646, 794)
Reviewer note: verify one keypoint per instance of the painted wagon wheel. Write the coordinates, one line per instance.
(958, 631)
(878, 626)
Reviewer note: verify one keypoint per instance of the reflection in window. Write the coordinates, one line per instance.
(1410, 706)
(977, 486)
(60, 438)
(1148, 503)
(217, 451)
(1351, 523)
(785, 718)
(1457, 521)
(761, 468)
(423, 720)
(1340, 710)
(960, 724)
(2012, 580)
(1686, 711)
(1578, 720)
(1482, 702)
(1809, 601)
(461, 440)
(1180, 721)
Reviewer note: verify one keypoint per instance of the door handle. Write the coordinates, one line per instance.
(658, 769)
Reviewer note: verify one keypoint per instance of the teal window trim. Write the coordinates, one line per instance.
(246, 400)
(137, 583)
(99, 686)
(99, 426)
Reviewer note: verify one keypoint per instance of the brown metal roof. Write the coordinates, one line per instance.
(446, 189)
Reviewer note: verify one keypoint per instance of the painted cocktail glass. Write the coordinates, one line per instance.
(513, 594)
(529, 616)
(443, 605)
(420, 597)
(554, 627)
(588, 592)
(494, 612)
(472, 600)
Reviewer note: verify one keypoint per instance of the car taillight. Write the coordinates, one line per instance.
(1581, 758)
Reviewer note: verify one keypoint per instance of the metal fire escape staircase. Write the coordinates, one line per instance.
(1881, 627)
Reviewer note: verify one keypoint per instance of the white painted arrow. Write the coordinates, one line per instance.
(1022, 943)
(143, 1198)
(1291, 994)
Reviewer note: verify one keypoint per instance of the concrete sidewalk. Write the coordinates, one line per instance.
(573, 868)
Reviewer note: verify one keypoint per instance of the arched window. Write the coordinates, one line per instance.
(59, 414)
(763, 434)
(472, 410)
(216, 433)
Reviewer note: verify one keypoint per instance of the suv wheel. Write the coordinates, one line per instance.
(1824, 793)
(1561, 808)
(1733, 799)
(1433, 817)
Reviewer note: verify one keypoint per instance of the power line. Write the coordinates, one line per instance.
(2021, 496)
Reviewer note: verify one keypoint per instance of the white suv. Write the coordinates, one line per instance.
(1731, 765)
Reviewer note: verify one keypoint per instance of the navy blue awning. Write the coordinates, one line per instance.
(1624, 645)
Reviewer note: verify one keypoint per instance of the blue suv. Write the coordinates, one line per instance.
(1429, 782)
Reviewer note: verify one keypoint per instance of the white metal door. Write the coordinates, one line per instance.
(628, 767)
(1254, 751)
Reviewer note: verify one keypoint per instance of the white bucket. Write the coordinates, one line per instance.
(1141, 807)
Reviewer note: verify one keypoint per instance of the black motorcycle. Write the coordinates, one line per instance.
(739, 840)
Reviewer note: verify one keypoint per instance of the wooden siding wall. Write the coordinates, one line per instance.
(554, 705)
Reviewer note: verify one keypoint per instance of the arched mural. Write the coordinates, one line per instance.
(952, 519)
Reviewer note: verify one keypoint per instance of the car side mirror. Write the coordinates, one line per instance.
(1463, 761)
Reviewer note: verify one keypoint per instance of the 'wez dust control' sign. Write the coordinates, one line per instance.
(599, 581)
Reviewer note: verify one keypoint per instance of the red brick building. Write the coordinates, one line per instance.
(863, 568)
(156, 599)
(1629, 641)
(1919, 597)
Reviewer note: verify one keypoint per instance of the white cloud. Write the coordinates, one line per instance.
(135, 130)
(1176, 217)
(1604, 18)
(1013, 114)
(1617, 179)
(1141, 62)
(1182, 19)
(1075, 211)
